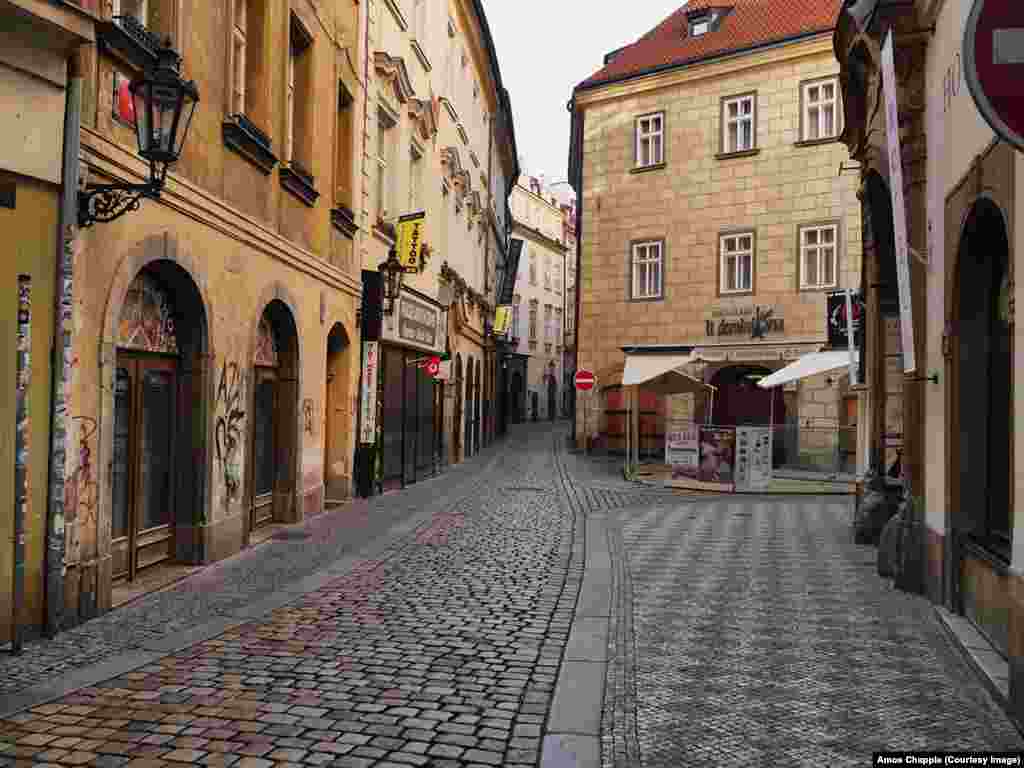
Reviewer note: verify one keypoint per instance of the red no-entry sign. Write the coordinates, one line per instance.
(994, 65)
(584, 380)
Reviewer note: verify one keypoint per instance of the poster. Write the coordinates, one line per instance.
(368, 416)
(753, 458)
(682, 448)
(717, 455)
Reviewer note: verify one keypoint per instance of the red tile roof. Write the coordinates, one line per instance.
(748, 24)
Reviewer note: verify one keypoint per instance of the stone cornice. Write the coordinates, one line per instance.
(729, 64)
(186, 198)
(518, 228)
(392, 69)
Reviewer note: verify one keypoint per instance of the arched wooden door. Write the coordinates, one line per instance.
(457, 415)
(336, 441)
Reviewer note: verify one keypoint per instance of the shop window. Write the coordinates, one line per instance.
(739, 124)
(647, 270)
(818, 256)
(737, 263)
(820, 113)
(650, 144)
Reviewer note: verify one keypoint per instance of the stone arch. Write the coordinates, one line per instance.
(980, 370)
(273, 397)
(190, 426)
(339, 393)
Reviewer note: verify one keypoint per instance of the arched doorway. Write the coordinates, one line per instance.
(274, 424)
(740, 402)
(336, 469)
(457, 415)
(159, 419)
(552, 394)
(982, 382)
(478, 406)
(470, 404)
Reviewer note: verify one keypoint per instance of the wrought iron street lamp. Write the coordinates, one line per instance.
(164, 105)
(392, 270)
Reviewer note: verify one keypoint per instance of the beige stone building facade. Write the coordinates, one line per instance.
(538, 311)
(715, 216)
(439, 140)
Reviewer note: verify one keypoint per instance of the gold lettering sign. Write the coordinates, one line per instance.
(410, 240)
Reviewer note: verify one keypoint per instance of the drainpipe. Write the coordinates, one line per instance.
(23, 371)
(60, 420)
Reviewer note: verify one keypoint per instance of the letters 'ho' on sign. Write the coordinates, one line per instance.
(994, 65)
(584, 380)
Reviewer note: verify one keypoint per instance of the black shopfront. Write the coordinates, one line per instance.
(411, 400)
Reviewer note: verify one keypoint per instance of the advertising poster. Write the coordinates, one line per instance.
(682, 450)
(371, 364)
(717, 455)
(410, 240)
(753, 458)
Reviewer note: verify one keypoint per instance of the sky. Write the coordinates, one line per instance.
(545, 48)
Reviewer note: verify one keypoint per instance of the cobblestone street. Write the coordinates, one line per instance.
(440, 627)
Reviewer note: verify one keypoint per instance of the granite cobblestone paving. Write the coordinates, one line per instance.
(755, 632)
(444, 651)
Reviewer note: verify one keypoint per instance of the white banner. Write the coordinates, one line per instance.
(753, 458)
(899, 209)
(368, 420)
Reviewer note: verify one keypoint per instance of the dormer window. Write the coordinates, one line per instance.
(699, 25)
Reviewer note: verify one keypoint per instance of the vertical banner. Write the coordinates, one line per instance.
(368, 418)
(502, 320)
(899, 210)
(22, 373)
(410, 240)
(682, 448)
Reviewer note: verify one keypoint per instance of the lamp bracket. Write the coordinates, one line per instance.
(934, 378)
(106, 202)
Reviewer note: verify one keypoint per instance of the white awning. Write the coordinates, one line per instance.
(642, 368)
(808, 365)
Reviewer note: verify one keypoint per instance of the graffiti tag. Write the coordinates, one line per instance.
(228, 429)
(80, 490)
(308, 409)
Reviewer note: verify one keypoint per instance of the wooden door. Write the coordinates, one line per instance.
(145, 419)
(264, 447)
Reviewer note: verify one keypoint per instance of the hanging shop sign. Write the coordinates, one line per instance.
(368, 413)
(899, 209)
(410, 240)
(502, 320)
(754, 322)
(746, 354)
(994, 65)
(838, 337)
(416, 322)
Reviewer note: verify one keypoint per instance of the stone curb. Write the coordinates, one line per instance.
(573, 732)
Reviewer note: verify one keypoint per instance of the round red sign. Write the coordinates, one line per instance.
(434, 366)
(994, 65)
(584, 380)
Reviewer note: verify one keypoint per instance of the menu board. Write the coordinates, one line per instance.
(682, 448)
(753, 457)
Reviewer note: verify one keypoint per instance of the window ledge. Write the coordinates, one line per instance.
(817, 288)
(743, 153)
(299, 182)
(344, 221)
(126, 37)
(816, 142)
(749, 292)
(242, 136)
(647, 298)
(646, 168)
(421, 54)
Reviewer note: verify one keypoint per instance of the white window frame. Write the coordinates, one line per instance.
(731, 247)
(645, 131)
(533, 319)
(819, 105)
(415, 177)
(825, 239)
(700, 25)
(643, 285)
(289, 110)
(238, 55)
(547, 272)
(385, 123)
(738, 120)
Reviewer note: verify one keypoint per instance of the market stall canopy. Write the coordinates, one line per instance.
(642, 368)
(808, 365)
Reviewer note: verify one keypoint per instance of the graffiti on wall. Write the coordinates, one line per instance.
(308, 415)
(228, 428)
(147, 318)
(81, 491)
